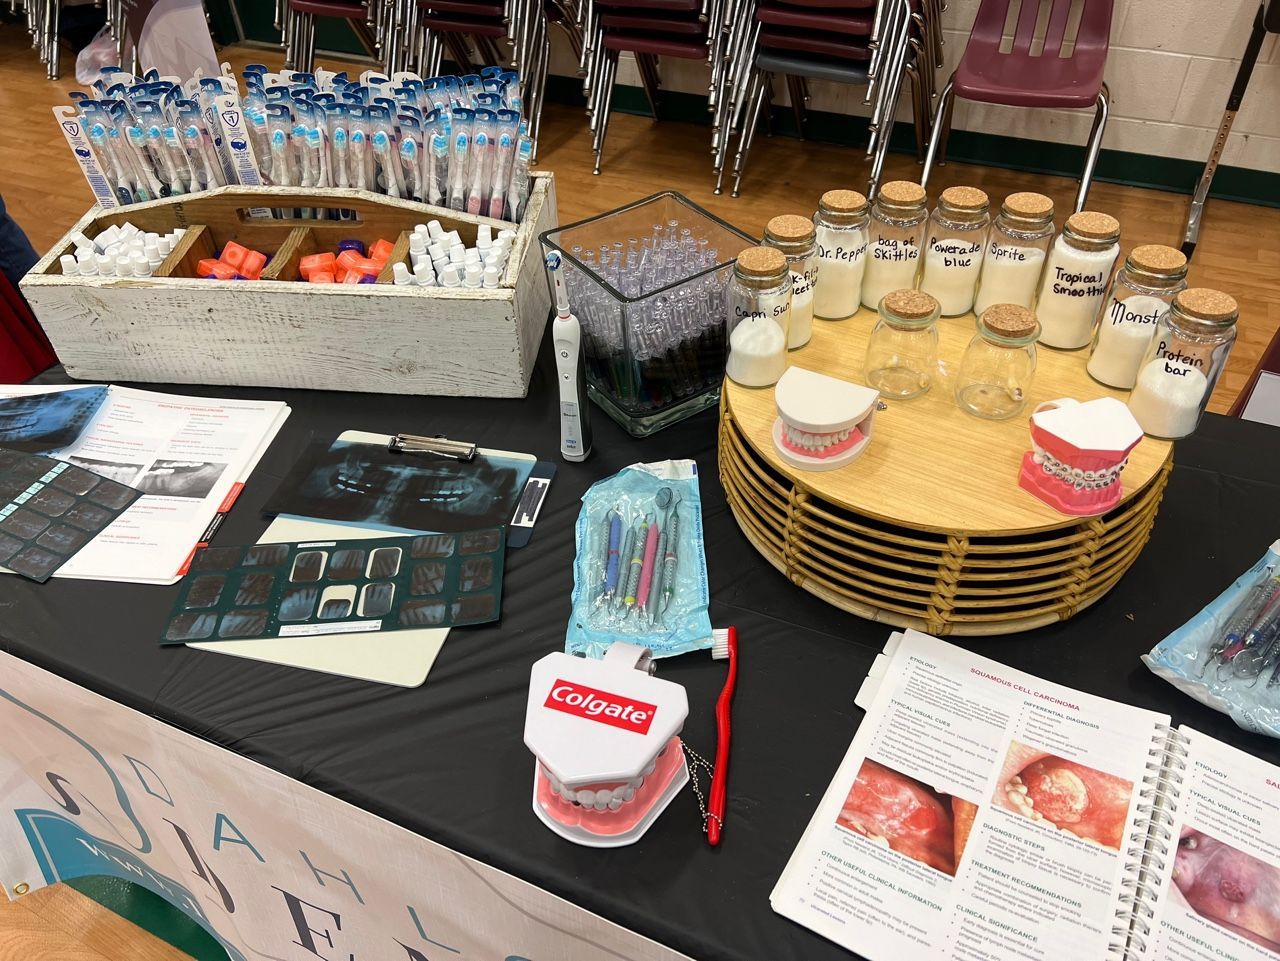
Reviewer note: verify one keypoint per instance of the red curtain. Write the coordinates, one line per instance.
(24, 349)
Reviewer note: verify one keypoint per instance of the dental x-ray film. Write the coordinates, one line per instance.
(38, 423)
(369, 484)
(347, 586)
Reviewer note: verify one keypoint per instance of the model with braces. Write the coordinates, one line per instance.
(1077, 477)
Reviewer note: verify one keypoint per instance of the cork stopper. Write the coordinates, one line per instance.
(902, 193)
(761, 262)
(1158, 259)
(843, 202)
(789, 229)
(1092, 225)
(965, 198)
(1009, 320)
(1029, 205)
(1203, 303)
(911, 304)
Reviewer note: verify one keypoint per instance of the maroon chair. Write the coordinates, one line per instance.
(1031, 74)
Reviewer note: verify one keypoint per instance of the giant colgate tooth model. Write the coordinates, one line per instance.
(1078, 453)
(605, 734)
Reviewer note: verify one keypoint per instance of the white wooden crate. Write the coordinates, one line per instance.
(375, 338)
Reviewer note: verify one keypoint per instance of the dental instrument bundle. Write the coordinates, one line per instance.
(654, 351)
(1228, 655)
(455, 141)
(640, 573)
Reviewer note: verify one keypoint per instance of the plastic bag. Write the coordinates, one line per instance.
(641, 573)
(1216, 658)
(101, 52)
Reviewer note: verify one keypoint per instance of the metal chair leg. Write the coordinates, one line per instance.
(611, 73)
(796, 94)
(649, 80)
(1095, 146)
(919, 110)
(941, 121)
(749, 123)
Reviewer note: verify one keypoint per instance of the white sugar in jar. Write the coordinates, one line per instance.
(1144, 288)
(759, 302)
(795, 237)
(1016, 248)
(955, 248)
(1075, 279)
(895, 236)
(841, 231)
(1188, 351)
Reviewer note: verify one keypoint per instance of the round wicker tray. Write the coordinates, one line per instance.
(929, 528)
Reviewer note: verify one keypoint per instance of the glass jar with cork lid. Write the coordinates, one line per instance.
(895, 237)
(1016, 249)
(902, 353)
(1144, 288)
(1075, 279)
(759, 314)
(841, 223)
(1192, 341)
(999, 363)
(954, 251)
(795, 236)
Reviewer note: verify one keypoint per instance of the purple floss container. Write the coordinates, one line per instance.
(352, 244)
(368, 279)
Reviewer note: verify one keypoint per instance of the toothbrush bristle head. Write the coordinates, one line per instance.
(721, 638)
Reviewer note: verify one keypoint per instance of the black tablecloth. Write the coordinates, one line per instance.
(446, 760)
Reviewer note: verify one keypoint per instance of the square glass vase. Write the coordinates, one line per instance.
(647, 284)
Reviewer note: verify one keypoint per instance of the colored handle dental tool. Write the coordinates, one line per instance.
(628, 539)
(646, 570)
(669, 558)
(611, 559)
(655, 589)
(637, 563)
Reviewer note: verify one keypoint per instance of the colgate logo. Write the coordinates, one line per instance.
(612, 709)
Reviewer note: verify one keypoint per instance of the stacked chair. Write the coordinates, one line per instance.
(647, 29)
(861, 42)
(296, 21)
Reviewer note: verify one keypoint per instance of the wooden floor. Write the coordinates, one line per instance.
(1239, 252)
(60, 924)
(1239, 248)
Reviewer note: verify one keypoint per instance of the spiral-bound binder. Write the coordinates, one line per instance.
(1152, 844)
(985, 812)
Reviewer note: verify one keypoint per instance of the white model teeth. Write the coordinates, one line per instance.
(599, 799)
(810, 441)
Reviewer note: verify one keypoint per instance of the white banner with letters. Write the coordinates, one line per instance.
(273, 869)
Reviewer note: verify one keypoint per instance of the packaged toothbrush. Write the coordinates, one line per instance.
(383, 144)
(518, 193)
(411, 158)
(438, 171)
(339, 144)
(458, 158)
(641, 572)
(1228, 655)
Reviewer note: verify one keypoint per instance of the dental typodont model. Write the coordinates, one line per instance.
(823, 423)
(1078, 453)
(605, 734)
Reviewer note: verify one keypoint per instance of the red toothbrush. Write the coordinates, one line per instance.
(725, 645)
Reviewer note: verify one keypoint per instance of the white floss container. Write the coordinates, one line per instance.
(605, 734)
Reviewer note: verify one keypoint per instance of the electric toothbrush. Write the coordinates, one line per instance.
(566, 336)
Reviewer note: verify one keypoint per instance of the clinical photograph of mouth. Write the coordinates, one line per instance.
(1079, 800)
(1229, 888)
(903, 814)
(180, 478)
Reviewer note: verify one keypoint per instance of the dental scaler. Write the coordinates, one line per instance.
(566, 336)
(606, 737)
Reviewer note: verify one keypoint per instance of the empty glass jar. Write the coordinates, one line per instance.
(1144, 288)
(1016, 249)
(794, 236)
(954, 250)
(1192, 341)
(895, 236)
(999, 363)
(902, 354)
(759, 301)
